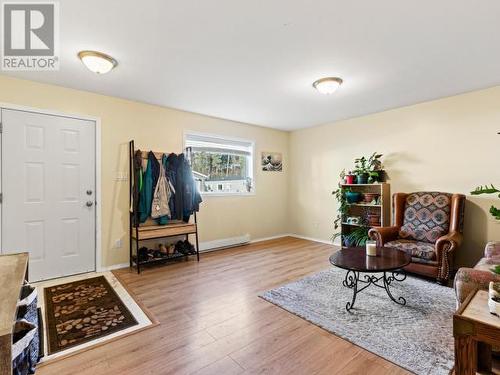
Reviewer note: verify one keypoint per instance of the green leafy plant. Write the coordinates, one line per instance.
(342, 209)
(496, 269)
(357, 236)
(494, 211)
(371, 166)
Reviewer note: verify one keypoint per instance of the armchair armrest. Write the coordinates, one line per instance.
(448, 242)
(383, 234)
(445, 246)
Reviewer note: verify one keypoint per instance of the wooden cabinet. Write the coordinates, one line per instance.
(361, 209)
(13, 272)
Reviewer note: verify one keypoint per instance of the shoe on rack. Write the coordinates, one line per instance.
(189, 247)
(143, 254)
(180, 248)
(163, 250)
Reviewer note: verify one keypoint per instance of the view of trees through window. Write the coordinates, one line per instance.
(218, 166)
(221, 172)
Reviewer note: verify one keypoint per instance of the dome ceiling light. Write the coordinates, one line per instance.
(97, 62)
(327, 85)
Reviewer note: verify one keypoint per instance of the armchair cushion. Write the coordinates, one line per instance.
(417, 249)
(426, 216)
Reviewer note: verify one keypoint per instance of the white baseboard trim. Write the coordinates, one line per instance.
(224, 243)
(271, 238)
(312, 239)
(113, 267)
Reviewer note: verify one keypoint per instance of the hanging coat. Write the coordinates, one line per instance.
(160, 209)
(148, 184)
(171, 169)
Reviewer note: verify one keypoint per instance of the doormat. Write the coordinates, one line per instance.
(83, 311)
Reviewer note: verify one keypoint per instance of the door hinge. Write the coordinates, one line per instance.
(1, 128)
(1, 198)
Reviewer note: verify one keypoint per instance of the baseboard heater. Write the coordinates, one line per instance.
(224, 243)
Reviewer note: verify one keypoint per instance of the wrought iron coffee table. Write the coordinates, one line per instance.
(389, 262)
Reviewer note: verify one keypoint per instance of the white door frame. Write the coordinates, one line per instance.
(97, 122)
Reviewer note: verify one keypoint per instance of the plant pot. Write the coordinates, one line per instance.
(350, 179)
(362, 178)
(370, 197)
(374, 220)
(352, 196)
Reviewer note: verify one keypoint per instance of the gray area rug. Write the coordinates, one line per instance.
(417, 337)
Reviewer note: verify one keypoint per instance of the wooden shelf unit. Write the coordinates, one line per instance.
(360, 208)
(150, 230)
(13, 273)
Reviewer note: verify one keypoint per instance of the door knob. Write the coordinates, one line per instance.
(89, 203)
(89, 192)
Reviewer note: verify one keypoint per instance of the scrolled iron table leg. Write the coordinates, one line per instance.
(396, 276)
(353, 283)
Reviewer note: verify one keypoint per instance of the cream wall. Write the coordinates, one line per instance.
(445, 145)
(261, 215)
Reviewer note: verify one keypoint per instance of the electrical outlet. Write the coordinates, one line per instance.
(118, 244)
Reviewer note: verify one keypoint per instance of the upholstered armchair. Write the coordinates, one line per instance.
(428, 226)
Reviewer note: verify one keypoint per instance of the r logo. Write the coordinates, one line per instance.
(29, 29)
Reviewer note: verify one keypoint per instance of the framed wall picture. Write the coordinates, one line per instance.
(272, 161)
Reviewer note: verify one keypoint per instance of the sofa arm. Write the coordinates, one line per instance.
(469, 279)
(383, 234)
(492, 250)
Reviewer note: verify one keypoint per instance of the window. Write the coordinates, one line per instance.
(221, 165)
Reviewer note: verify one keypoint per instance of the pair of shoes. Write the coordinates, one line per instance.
(190, 247)
(180, 248)
(185, 247)
(143, 255)
(164, 250)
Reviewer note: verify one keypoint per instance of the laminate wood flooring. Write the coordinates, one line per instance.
(213, 322)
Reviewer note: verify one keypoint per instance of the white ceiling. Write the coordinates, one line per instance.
(254, 61)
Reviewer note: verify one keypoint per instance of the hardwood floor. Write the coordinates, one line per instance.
(212, 322)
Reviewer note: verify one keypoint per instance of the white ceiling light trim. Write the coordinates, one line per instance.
(327, 85)
(97, 62)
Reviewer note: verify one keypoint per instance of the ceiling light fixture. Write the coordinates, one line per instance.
(327, 85)
(97, 62)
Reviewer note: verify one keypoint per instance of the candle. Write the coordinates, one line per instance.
(371, 248)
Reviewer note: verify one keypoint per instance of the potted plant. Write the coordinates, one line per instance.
(341, 210)
(369, 170)
(361, 170)
(350, 178)
(357, 237)
(494, 211)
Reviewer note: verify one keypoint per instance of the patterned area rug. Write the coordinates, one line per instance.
(417, 337)
(81, 311)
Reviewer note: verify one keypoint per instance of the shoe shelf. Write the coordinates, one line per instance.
(175, 256)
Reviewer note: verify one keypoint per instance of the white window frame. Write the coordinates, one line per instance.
(252, 165)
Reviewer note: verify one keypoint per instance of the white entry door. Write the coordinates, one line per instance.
(48, 192)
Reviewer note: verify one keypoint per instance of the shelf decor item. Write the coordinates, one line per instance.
(369, 170)
(370, 197)
(350, 178)
(353, 196)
